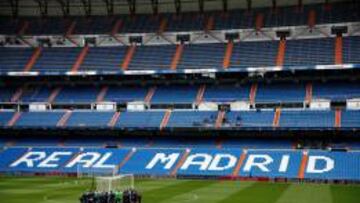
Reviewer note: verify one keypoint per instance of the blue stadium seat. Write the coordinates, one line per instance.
(307, 52)
(39, 119)
(152, 57)
(226, 93)
(140, 120)
(307, 119)
(174, 94)
(188, 119)
(246, 54)
(89, 119)
(281, 93)
(123, 94)
(197, 56)
(338, 91)
(104, 59)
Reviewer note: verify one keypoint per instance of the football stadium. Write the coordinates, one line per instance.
(178, 101)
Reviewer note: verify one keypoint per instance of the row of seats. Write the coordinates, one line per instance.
(139, 142)
(293, 119)
(233, 19)
(320, 165)
(300, 52)
(182, 94)
(165, 142)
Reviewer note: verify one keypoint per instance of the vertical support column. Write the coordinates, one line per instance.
(338, 50)
(177, 56)
(252, 95)
(228, 54)
(80, 59)
(281, 53)
(129, 54)
(36, 54)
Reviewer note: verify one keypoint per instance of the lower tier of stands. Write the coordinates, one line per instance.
(177, 119)
(291, 164)
(158, 142)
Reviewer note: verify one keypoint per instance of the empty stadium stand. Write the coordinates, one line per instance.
(147, 120)
(268, 93)
(142, 23)
(298, 53)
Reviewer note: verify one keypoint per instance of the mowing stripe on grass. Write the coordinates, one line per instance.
(345, 193)
(306, 193)
(211, 194)
(257, 193)
(165, 193)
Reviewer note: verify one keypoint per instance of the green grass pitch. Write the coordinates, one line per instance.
(68, 190)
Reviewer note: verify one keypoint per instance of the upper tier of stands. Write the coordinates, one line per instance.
(144, 23)
(297, 53)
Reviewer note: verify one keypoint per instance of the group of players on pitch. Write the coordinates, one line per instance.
(128, 196)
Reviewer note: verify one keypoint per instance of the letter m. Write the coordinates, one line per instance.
(167, 160)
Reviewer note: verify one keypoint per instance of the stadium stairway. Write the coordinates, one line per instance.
(177, 56)
(30, 64)
(80, 58)
(338, 50)
(228, 53)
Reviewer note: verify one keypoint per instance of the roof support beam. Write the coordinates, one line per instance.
(65, 7)
(225, 5)
(249, 5)
(109, 7)
(132, 6)
(86, 7)
(274, 5)
(177, 7)
(43, 7)
(201, 6)
(14, 4)
(155, 6)
(300, 3)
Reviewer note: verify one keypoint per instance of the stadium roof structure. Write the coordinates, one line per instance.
(111, 7)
